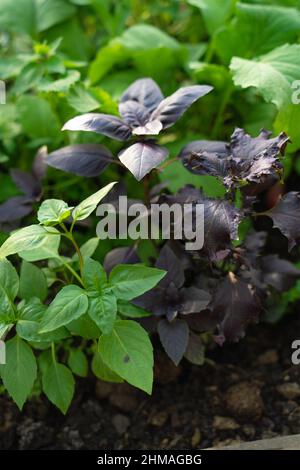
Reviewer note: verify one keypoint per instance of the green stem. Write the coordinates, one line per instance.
(74, 243)
(219, 118)
(74, 273)
(53, 351)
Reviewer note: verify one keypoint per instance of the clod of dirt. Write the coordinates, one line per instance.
(222, 423)
(125, 403)
(268, 357)
(34, 435)
(294, 420)
(103, 389)
(165, 371)
(121, 423)
(290, 390)
(196, 438)
(244, 401)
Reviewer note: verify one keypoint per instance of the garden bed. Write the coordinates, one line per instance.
(247, 391)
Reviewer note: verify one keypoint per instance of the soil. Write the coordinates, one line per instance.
(245, 391)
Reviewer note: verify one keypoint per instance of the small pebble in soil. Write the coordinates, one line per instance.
(289, 390)
(159, 419)
(222, 423)
(249, 431)
(121, 423)
(244, 401)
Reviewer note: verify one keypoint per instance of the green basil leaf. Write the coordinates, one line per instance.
(128, 352)
(70, 303)
(20, 370)
(130, 281)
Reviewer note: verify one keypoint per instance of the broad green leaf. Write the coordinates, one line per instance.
(86, 207)
(46, 250)
(4, 329)
(32, 310)
(262, 27)
(130, 281)
(30, 330)
(272, 74)
(103, 310)
(19, 372)
(18, 16)
(58, 385)
(177, 176)
(84, 327)
(78, 363)
(131, 311)
(87, 249)
(30, 16)
(61, 85)
(32, 282)
(70, 303)
(12, 66)
(94, 276)
(50, 276)
(107, 57)
(128, 352)
(28, 238)
(145, 36)
(288, 120)
(9, 286)
(102, 371)
(49, 13)
(152, 51)
(30, 315)
(82, 100)
(38, 119)
(215, 12)
(53, 211)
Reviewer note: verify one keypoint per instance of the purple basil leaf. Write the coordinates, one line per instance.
(145, 91)
(245, 147)
(195, 351)
(174, 337)
(194, 300)
(122, 255)
(150, 128)
(142, 157)
(235, 305)
(286, 216)
(203, 321)
(27, 183)
(15, 208)
(81, 159)
(154, 301)
(191, 151)
(134, 114)
(221, 221)
(39, 166)
(168, 261)
(105, 124)
(173, 107)
(279, 273)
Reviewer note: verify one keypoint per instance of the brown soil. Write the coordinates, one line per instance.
(244, 392)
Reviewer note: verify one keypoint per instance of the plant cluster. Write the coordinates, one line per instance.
(70, 303)
(217, 291)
